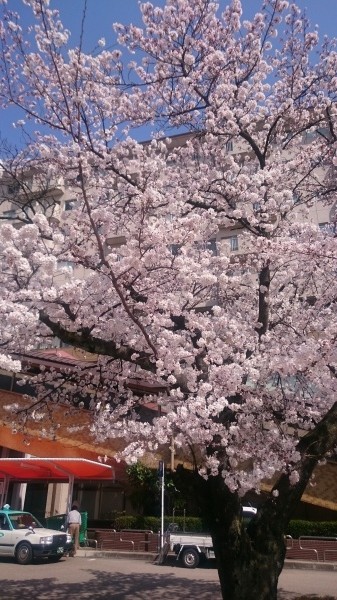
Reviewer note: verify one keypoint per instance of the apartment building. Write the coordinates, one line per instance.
(24, 193)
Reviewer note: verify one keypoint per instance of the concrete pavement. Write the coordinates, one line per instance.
(93, 578)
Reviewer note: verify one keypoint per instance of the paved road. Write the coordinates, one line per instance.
(125, 579)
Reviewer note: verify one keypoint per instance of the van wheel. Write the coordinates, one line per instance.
(24, 554)
(190, 558)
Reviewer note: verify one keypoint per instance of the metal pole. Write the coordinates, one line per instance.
(4, 490)
(70, 492)
(172, 453)
(162, 473)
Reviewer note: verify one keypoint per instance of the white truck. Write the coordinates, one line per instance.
(191, 548)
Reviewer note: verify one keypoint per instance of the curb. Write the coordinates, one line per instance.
(310, 565)
(150, 557)
(91, 553)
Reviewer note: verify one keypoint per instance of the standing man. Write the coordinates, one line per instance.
(74, 523)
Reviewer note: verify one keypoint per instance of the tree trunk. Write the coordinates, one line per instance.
(249, 572)
(249, 558)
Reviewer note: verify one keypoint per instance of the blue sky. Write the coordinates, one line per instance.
(101, 14)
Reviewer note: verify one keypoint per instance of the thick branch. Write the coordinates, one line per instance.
(85, 340)
(264, 285)
(313, 447)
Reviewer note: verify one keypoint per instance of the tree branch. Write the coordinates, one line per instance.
(86, 341)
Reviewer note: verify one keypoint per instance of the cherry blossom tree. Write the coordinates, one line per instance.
(194, 263)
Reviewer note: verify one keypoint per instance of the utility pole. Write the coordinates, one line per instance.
(161, 473)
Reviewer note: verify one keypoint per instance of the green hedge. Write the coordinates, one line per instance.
(296, 528)
(154, 523)
(315, 528)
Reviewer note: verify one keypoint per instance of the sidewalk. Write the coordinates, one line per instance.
(92, 553)
(150, 557)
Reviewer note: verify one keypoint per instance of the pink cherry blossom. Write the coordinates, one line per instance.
(194, 263)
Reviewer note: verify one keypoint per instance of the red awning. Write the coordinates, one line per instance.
(53, 469)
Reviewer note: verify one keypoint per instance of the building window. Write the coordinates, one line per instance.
(113, 252)
(4, 265)
(233, 243)
(317, 134)
(13, 188)
(10, 214)
(229, 146)
(210, 245)
(327, 228)
(66, 265)
(324, 132)
(175, 249)
(69, 204)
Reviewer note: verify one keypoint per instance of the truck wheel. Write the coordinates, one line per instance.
(24, 554)
(190, 558)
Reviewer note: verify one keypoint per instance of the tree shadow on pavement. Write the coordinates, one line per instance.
(117, 586)
(282, 595)
(98, 585)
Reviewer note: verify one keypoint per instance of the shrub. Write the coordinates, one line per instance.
(154, 523)
(297, 528)
(126, 522)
